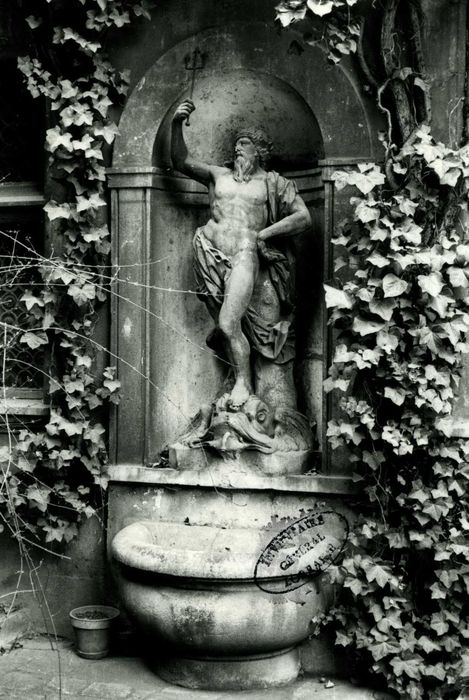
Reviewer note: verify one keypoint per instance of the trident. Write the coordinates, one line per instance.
(194, 62)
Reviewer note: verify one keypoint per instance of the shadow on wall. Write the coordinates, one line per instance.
(36, 597)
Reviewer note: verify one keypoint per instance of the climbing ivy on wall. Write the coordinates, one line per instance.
(52, 476)
(402, 319)
(401, 314)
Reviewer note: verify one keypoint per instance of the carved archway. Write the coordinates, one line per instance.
(332, 92)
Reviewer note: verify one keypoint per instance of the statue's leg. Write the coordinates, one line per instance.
(238, 292)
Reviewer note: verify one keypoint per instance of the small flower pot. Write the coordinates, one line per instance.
(92, 625)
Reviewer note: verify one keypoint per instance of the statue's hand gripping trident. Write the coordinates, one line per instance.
(184, 111)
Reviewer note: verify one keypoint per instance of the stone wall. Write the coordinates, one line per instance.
(81, 578)
(37, 595)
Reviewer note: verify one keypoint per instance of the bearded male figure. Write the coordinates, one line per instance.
(249, 207)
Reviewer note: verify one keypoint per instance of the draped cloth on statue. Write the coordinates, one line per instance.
(272, 340)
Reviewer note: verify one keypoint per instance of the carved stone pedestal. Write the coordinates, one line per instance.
(248, 462)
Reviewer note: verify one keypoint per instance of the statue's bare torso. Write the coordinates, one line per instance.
(238, 213)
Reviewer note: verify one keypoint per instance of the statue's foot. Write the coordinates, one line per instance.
(239, 394)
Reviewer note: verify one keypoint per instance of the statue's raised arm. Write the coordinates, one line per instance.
(182, 160)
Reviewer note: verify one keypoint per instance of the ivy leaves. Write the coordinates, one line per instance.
(290, 11)
(339, 30)
(365, 178)
(57, 471)
(393, 286)
(402, 317)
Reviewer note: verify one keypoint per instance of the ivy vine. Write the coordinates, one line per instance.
(400, 307)
(52, 477)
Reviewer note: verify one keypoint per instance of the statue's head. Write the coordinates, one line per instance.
(252, 148)
(260, 140)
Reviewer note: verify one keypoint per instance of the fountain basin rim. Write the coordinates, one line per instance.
(199, 552)
(188, 551)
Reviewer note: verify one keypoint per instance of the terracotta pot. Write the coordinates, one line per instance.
(92, 626)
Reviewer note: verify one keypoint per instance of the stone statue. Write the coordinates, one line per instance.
(243, 267)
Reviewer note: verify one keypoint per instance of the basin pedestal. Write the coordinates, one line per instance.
(234, 673)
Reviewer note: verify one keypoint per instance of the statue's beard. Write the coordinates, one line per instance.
(243, 168)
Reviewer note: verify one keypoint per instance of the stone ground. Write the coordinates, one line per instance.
(32, 672)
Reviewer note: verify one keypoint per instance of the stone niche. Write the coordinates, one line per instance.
(243, 98)
(319, 122)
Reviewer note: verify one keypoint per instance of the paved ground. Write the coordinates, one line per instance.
(38, 672)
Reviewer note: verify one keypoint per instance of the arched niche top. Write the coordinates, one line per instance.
(345, 122)
(246, 98)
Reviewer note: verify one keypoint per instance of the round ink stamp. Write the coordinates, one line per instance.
(302, 551)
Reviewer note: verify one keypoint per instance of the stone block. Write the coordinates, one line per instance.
(247, 462)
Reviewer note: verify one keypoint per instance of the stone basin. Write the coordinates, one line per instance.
(193, 591)
(207, 574)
